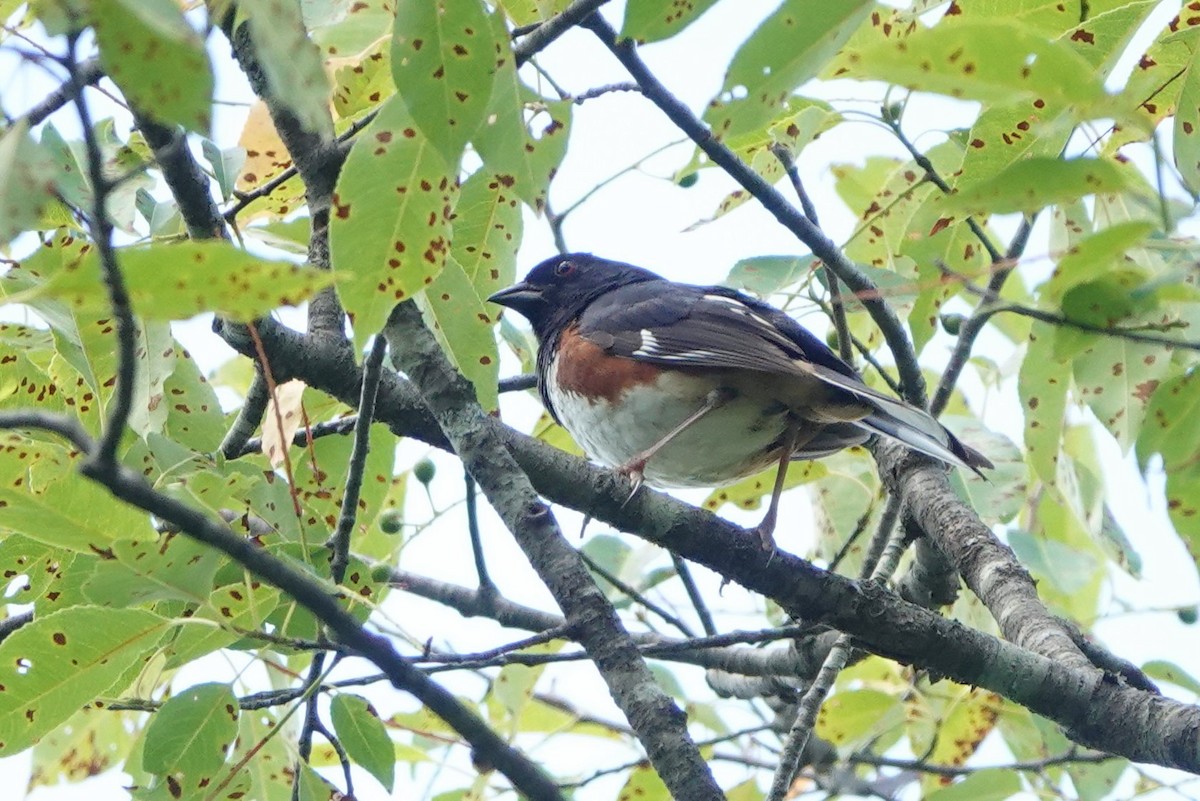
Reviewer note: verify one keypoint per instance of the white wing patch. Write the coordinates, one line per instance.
(650, 347)
(742, 309)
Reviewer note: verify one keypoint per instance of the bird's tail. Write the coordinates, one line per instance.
(897, 420)
(919, 431)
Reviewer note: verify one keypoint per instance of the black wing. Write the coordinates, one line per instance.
(716, 327)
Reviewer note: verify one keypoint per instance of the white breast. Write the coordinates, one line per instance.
(727, 444)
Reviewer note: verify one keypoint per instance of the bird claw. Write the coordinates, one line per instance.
(633, 472)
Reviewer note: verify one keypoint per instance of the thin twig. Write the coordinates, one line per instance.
(237, 441)
(635, 595)
(1071, 757)
(372, 367)
(974, 324)
(89, 73)
(487, 588)
(600, 91)
(312, 720)
(345, 425)
(541, 36)
(689, 585)
(840, 325)
(101, 229)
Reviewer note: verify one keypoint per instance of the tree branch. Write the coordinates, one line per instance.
(660, 724)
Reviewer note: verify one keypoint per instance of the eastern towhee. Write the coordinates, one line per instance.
(699, 386)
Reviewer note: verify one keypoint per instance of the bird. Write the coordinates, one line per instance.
(678, 385)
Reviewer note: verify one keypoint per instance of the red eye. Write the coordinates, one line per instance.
(564, 268)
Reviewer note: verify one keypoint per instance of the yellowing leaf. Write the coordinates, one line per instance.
(284, 406)
(25, 184)
(963, 60)
(266, 158)
(177, 281)
(654, 20)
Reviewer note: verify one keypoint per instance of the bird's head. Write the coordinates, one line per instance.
(560, 288)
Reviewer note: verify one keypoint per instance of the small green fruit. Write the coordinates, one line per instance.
(689, 180)
(380, 573)
(425, 471)
(391, 521)
(952, 323)
(1187, 615)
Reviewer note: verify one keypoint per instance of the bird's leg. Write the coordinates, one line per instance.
(792, 439)
(635, 467)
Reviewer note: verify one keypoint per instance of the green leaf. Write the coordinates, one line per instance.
(487, 232)
(787, 49)
(504, 141)
(57, 663)
(292, 63)
(1096, 781)
(1116, 378)
(749, 492)
(655, 20)
(1172, 424)
(390, 224)
(766, 275)
(226, 164)
(177, 281)
(148, 49)
(364, 736)
(167, 566)
(464, 323)
(1034, 183)
(1162, 670)
(44, 500)
(988, 784)
(1093, 255)
(962, 60)
(1068, 569)
(1153, 88)
(527, 12)
(999, 497)
(444, 62)
(1183, 507)
(194, 417)
(191, 733)
(25, 188)
(1186, 139)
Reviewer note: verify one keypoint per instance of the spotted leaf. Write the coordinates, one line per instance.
(158, 61)
(654, 20)
(444, 63)
(390, 226)
(464, 323)
(56, 664)
(178, 281)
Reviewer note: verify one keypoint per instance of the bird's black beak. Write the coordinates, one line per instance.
(520, 297)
